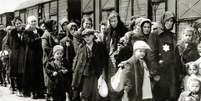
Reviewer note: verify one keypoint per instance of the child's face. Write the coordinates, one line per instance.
(194, 86)
(89, 38)
(58, 55)
(188, 36)
(192, 70)
(139, 53)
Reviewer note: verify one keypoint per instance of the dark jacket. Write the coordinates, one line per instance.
(48, 42)
(69, 52)
(56, 84)
(13, 42)
(187, 54)
(164, 61)
(134, 79)
(33, 78)
(98, 62)
(111, 38)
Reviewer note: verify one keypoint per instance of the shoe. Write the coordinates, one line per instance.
(49, 98)
(34, 97)
(20, 94)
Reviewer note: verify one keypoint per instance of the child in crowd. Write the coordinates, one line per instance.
(192, 70)
(193, 92)
(137, 83)
(57, 72)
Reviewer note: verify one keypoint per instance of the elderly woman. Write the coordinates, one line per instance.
(33, 78)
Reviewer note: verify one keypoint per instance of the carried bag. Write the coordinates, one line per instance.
(125, 96)
(117, 80)
(102, 87)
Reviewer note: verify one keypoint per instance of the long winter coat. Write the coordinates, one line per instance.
(48, 43)
(33, 78)
(165, 62)
(114, 35)
(56, 84)
(13, 42)
(86, 71)
(134, 79)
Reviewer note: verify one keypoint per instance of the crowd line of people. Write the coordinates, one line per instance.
(142, 62)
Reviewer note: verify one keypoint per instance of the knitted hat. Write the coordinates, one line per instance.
(71, 25)
(62, 21)
(57, 48)
(141, 45)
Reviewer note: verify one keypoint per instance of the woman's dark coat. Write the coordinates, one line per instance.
(165, 62)
(48, 42)
(14, 43)
(33, 78)
(115, 35)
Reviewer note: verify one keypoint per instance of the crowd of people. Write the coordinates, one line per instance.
(140, 62)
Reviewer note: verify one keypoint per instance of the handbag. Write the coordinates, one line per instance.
(102, 87)
(117, 80)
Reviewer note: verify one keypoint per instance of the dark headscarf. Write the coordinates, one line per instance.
(49, 25)
(166, 16)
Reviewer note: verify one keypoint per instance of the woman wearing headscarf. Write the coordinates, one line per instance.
(141, 31)
(33, 78)
(67, 42)
(112, 36)
(69, 52)
(49, 40)
(164, 60)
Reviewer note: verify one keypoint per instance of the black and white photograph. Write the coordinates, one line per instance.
(100, 50)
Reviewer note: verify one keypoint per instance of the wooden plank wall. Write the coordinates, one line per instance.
(4, 19)
(125, 10)
(106, 6)
(62, 10)
(47, 10)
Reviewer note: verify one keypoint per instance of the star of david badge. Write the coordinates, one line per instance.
(166, 47)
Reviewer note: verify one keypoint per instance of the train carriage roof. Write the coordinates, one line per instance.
(30, 3)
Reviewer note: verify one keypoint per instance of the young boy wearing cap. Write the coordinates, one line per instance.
(56, 71)
(87, 67)
(137, 83)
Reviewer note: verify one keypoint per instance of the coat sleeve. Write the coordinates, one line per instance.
(49, 70)
(153, 54)
(128, 78)
(45, 44)
(184, 95)
(180, 64)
